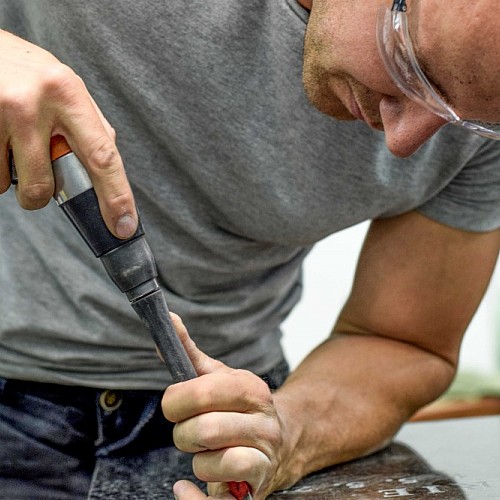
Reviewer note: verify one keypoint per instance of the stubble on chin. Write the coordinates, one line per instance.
(319, 86)
(319, 83)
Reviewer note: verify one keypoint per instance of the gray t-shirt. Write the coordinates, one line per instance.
(235, 174)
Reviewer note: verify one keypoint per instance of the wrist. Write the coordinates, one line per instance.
(293, 463)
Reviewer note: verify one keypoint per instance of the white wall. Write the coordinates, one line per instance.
(328, 274)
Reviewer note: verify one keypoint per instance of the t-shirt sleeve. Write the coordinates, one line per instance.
(471, 201)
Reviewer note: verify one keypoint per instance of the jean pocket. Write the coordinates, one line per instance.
(43, 419)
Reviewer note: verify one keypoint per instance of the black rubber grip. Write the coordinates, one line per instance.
(154, 313)
(83, 211)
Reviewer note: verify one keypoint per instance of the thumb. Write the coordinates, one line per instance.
(203, 364)
(186, 490)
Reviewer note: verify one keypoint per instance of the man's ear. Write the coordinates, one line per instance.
(307, 4)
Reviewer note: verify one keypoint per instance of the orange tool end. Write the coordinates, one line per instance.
(240, 491)
(58, 147)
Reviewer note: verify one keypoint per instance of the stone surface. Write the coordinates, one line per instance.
(447, 460)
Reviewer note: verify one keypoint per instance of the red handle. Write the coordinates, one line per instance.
(240, 491)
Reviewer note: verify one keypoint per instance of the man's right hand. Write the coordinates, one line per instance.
(39, 98)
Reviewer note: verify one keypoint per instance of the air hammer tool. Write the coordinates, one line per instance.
(129, 263)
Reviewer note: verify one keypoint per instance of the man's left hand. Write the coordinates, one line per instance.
(228, 419)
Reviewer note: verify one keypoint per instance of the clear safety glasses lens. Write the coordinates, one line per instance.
(396, 50)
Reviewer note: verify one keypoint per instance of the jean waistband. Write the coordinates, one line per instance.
(71, 393)
(64, 394)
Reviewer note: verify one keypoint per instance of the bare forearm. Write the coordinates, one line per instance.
(350, 396)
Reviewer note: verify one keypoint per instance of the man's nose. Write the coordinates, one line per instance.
(407, 125)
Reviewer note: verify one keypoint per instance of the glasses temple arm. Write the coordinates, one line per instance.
(399, 6)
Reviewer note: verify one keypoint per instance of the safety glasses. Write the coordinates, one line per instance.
(396, 49)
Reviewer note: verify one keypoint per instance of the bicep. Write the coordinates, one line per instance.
(419, 282)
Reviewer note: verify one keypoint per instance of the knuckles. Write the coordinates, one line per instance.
(59, 81)
(47, 94)
(35, 195)
(224, 390)
(199, 434)
(104, 156)
(51, 83)
(253, 388)
(247, 446)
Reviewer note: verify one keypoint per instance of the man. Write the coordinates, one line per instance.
(236, 177)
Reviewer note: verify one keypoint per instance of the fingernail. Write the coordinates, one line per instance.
(126, 226)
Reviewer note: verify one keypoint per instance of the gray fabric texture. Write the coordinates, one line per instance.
(236, 177)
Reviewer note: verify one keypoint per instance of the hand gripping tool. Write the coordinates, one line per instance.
(129, 263)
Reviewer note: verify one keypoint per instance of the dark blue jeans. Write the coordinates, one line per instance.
(63, 442)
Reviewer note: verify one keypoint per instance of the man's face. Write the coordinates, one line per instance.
(344, 75)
